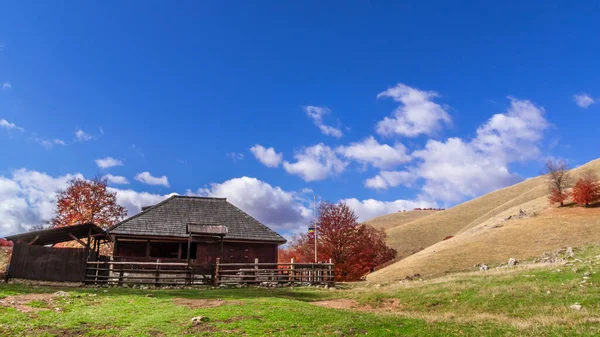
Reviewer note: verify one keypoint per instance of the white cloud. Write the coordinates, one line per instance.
(455, 169)
(416, 115)
(82, 135)
(108, 162)
(234, 156)
(583, 100)
(386, 179)
(267, 156)
(371, 208)
(369, 151)
(117, 180)
(6, 85)
(28, 198)
(316, 113)
(133, 201)
(148, 179)
(315, 163)
(10, 126)
(49, 143)
(279, 209)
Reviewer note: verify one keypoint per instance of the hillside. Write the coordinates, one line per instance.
(482, 236)
(399, 218)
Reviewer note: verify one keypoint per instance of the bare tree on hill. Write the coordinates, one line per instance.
(559, 180)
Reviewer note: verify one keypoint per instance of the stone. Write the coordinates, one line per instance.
(484, 267)
(61, 293)
(512, 262)
(548, 292)
(570, 252)
(576, 306)
(199, 319)
(587, 274)
(149, 295)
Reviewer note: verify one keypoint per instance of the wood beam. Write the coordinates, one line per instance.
(34, 240)
(76, 239)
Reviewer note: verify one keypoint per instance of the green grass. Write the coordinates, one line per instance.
(501, 302)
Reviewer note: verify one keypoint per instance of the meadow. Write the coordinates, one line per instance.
(526, 300)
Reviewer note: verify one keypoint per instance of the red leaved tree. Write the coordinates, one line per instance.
(87, 201)
(556, 196)
(586, 190)
(356, 249)
(5, 243)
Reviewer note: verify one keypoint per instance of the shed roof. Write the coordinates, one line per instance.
(61, 234)
(172, 216)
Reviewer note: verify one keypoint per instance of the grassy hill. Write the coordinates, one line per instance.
(399, 218)
(478, 237)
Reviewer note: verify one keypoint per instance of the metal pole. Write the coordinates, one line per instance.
(315, 223)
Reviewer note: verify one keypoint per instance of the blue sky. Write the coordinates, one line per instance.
(475, 96)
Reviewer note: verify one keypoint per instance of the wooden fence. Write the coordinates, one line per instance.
(271, 273)
(161, 273)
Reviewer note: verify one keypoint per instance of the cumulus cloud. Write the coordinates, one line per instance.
(279, 209)
(583, 100)
(149, 179)
(317, 113)
(117, 180)
(386, 179)
(28, 198)
(315, 163)
(6, 85)
(416, 115)
(371, 208)
(108, 162)
(369, 151)
(267, 156)
(10, 126)
(456, 168)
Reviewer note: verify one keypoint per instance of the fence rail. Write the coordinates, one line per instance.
(290, 273)
(160, 273)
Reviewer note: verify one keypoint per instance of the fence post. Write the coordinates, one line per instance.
(255, 269)
(330, 273)
(292, 274)
(120, 282)
(157, 278)
(217, 280)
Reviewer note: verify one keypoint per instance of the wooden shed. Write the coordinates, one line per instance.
(196, 230)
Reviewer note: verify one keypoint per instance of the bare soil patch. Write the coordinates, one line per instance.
(350, 304)
(20, 302)
(194, 303)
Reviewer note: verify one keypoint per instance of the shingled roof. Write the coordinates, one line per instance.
(172, 216)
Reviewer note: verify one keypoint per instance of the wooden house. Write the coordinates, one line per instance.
(197, 230)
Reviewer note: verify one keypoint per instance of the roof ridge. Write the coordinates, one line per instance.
(199, 197)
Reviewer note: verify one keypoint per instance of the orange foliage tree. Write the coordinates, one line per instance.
(5, 243)
(356, 249)
(556, 196)
(586, 190)
(87, 201)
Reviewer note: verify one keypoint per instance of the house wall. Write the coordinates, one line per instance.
(203, 253)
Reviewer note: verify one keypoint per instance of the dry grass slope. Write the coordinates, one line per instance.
(476, 240)
(397, 219)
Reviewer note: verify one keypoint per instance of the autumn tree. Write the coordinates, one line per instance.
(356, 249)
(87, 201)
(586, 190)
(5, 243)
(559, 180)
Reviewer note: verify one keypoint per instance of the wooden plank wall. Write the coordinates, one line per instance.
(48, 264)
